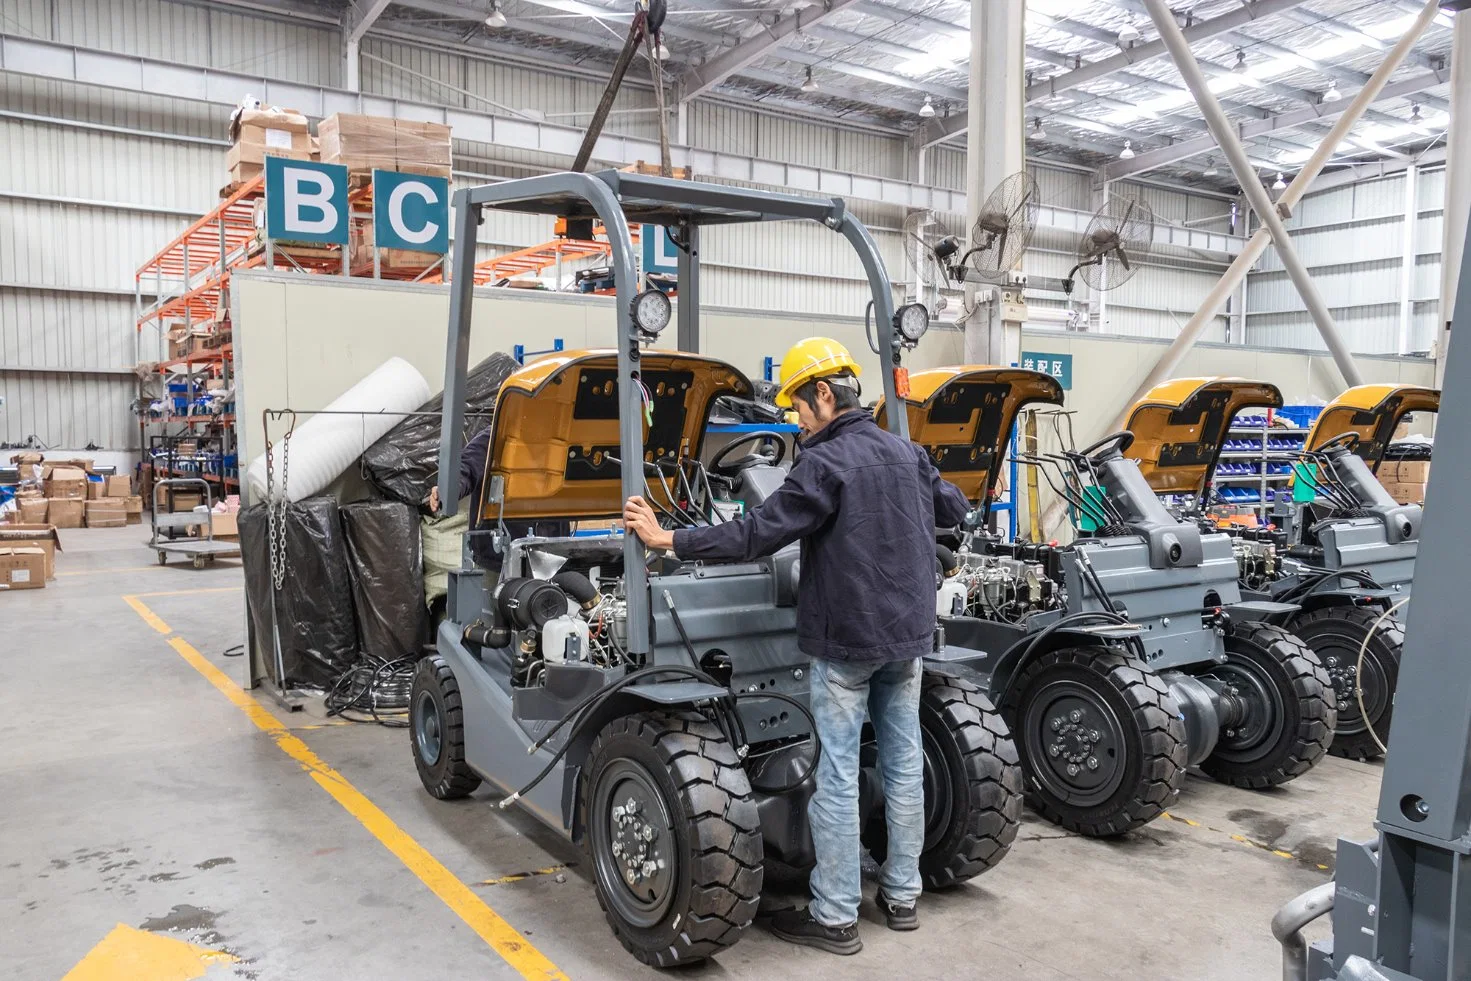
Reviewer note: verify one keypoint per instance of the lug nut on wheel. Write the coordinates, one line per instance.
(1092, 762)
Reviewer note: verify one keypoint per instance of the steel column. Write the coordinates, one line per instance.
(1251, 186)
(687, 301)
(1407, 262)
(993, 150)
(1258, 242)
(1457, 185)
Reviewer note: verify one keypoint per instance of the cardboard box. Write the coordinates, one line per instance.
(422, 148)
(95, 487)
(119, 485)
(22, 567)
(39, 536)
(65, 512)
(66, 483)
(187, 502)
(133, 504)
(254, 154)
(360, 143)
(1405, 493)
(25, 459)
(106, 513)
(225, 526)
(246, 124)
(1404, 471)
(389, 260)
(32, 510)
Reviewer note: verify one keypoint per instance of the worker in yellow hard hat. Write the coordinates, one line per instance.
(865, 504)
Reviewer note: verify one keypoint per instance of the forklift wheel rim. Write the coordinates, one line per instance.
(939, 801)
(643, 903)
(1257, 735)
(428, 729)
(1056, 702)
(1344, 676)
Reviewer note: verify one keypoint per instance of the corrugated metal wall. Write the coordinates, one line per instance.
(82, 205)
(1352, 240)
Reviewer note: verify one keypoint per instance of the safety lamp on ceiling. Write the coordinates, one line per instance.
(496, 18)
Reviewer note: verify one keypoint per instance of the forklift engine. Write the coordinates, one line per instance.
(1256, 563)
(991, 585)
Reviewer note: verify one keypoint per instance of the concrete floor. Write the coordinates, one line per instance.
(132, 791)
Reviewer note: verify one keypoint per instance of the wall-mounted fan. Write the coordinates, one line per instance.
(930, 248)
(1118, 238)
(1005, 225)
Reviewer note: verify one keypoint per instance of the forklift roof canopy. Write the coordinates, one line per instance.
(665, 201)
(555, 441)
(1180, 426)
(963, 416)
(1372, 411)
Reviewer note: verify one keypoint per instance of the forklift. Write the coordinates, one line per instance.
(655, 712)
(1339, 555)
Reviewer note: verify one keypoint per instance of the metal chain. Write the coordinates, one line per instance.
(276, 504)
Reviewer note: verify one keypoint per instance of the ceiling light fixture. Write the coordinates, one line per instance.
(927, 111)
(496, 18)
(1240, 66)
(1332, 95)
(1037, 133)
(809, 84)
(1127, 153)
(1279, 184)
(1210, 167)
(1128, 34)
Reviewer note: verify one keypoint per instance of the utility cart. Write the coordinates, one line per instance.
(202, 549)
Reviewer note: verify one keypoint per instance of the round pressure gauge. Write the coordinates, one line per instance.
(911, 321)
(651, 311)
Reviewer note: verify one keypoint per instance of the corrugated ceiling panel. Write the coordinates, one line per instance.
(1430, 190)
(1064, 188)
(298, 52)
(1366, 330)
(1426, 283)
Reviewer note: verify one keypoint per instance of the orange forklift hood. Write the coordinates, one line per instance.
(1180, 426)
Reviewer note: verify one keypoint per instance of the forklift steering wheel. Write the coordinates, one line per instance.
(772, 452)
(1123, 437)
(1348, 440)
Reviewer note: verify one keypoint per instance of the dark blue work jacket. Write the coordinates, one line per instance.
(865, 504)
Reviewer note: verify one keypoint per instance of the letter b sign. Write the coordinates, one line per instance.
(306, 202)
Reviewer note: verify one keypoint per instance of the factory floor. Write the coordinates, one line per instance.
(145, 799)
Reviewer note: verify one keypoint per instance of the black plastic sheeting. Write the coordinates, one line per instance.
(403, 464)
(387, 568)
(319, 635)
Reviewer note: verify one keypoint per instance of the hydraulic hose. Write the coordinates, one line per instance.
(1359, 672)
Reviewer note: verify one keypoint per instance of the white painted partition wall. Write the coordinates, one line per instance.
(300, 342)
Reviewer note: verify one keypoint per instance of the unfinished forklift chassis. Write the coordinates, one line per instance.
(655, 712)
(1127, 655)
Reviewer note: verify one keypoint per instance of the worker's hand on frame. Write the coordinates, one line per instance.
(640, 519)
(434, 499)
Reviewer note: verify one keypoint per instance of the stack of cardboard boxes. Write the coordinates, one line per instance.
(257, 133)
(67, 494)
(27, 555)
(203, 337)
(366, 143)
(1405, 479)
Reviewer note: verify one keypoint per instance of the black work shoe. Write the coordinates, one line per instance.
(798, 927)
(899, 917)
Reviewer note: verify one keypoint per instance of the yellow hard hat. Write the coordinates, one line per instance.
(813, 357)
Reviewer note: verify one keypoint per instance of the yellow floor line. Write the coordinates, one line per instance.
(93, 572)
(191, 592)
(1241, 839)
(149, 617)
(501, 936)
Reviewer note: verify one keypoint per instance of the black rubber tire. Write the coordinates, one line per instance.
(1306, 694)
(960, 726)
(448, 776)
(1153, 738)
(1336, 633)
(715, 829)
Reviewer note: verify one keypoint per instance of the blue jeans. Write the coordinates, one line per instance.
(841, 696)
